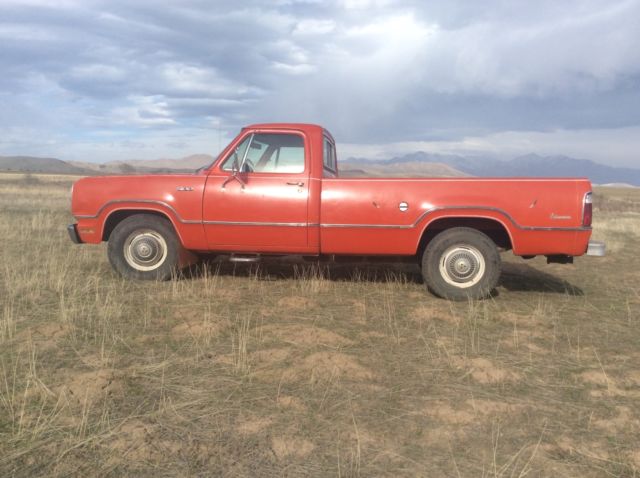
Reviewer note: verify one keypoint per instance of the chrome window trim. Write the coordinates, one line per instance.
(252, 136)
(334, 167)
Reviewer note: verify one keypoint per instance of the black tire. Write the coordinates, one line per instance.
(144, 247)
(460, 264)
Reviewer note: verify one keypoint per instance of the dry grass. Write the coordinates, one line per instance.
(296, 369)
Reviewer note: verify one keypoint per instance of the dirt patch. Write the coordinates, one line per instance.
(293, 403)
(139, 442)
(492, 407)
(523, 343)
(468, 411)
(96, 361)
(483, 370)
(51, 330)
(46, 335)
(519, 320)
(304, 335)
(224, 359)
(425, 313)
(228, 294)
(291, 447)
(521, 338)
(195, 329)
(253, 426)
(444, 412)
(374, 334)
(595, 377)
(328, 365)
(267, 357)
(295, 303)
(132, 441)
(568, 446)
(267, 364)
(91, 387)
(633, 378)
(196, 325)
(359, 310)
(623, 420)
(607, 385)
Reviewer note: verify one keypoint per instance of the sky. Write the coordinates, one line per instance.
(136, 79)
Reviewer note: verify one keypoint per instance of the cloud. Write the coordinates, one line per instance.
(510, 144)
(373, 71)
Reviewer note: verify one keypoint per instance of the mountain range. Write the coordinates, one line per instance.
(530, 165)
(30, 164)
(418, 164)
(186, 164)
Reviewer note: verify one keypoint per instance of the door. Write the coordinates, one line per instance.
(256, 199)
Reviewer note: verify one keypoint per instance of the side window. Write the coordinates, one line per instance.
(269, 153)
(329, 156)
(237, 155)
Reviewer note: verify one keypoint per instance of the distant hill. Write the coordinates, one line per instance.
(531, 165)
(364, 168)
(30, 164)
(535, 165)
(419, 164)
(187, 164)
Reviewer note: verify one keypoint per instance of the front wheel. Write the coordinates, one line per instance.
(144, 247)
(461, 263)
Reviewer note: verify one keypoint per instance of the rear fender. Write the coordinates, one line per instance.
(457, 218)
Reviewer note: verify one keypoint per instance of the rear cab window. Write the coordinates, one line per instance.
(329, 162)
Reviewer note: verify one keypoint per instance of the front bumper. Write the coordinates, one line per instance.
(73, 234)
(596, 248)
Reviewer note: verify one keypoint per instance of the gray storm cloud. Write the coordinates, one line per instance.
(83, 78)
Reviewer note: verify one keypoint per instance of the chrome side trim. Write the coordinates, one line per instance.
(268, 224)
(188, 221)
(444, 208)
(139, 201)
(371, 226)
(304, 224)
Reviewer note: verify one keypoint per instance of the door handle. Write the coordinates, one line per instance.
(295, 183)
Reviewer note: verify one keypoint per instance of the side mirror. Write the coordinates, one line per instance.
(235, 169)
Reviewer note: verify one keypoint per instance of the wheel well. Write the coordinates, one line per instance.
(492, 228)
(117, 217)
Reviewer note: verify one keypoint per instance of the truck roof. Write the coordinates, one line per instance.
(302, 126)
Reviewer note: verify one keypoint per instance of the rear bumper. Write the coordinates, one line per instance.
(596, 248)
(73, 234)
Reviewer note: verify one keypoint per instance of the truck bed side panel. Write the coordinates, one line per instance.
(389, 216)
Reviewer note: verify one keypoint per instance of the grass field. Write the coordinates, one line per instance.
(291, 369)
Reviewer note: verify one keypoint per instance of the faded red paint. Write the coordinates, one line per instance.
(314, 213)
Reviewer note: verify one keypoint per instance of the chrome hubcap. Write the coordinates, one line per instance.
(145, 250)
(462, 266)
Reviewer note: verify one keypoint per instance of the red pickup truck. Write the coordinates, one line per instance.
(276, 190)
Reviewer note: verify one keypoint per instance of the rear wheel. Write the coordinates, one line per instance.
(144, 247)
(461, 263)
